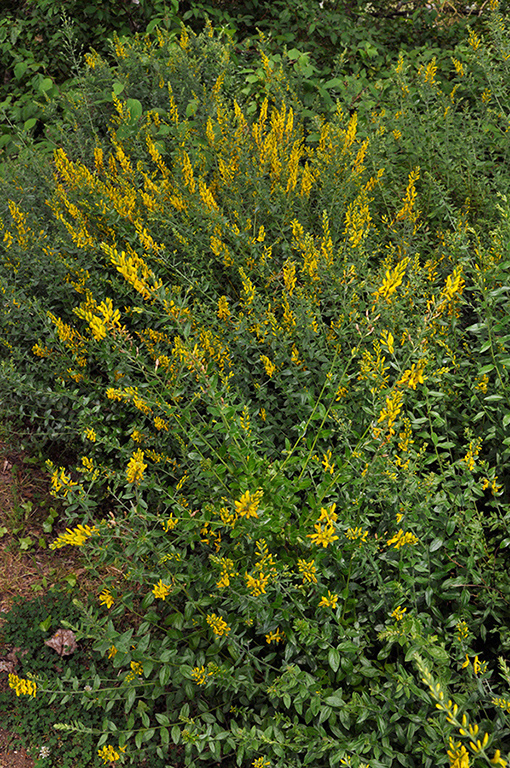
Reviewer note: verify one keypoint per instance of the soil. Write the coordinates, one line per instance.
(11, 755)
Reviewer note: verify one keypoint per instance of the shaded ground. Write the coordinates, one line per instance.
(11, 755)
(27, 567)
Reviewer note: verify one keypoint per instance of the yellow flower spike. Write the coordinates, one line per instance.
(75, 537)
(136, 467)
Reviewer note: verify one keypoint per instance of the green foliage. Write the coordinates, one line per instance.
(26, 627)
(41, 45)
(272, 338)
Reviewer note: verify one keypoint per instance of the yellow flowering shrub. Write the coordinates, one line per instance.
(274, 344)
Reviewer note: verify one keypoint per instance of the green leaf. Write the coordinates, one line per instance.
(335, 701)
(176, 734)
(135, 109)
(164, 675)
(19, 69)
(45, 85)
(436, 544)
(334, 659)
(118, 87)
(46, 624)
(130, 699)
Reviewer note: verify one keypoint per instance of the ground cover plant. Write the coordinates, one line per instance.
(273, 344)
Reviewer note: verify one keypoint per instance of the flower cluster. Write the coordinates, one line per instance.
(75, 537)
(21, 686)
(109, 754)
(161, 590)
(325, 531)
(217, 624)
(400, 539)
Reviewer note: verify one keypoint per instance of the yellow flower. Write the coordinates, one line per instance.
(106, 598)
(398, 613)
(161, 590)
(463, 630)
(75, 537)
(136, 467)
(257, 584)
(109, 754)
(198, 674)
(21, 686)
(247, 505)
(356, 534)
(459, 757)
(269, 366)
(324, 537)
(413, 376)
(400, 539)
(473, 451)
(169, 525)
(111, 651)
(60, 481)
(136, 668)
(308, 571)
(261, 762)
(478, 666)
(328, 602)
(328, 515)
(90, 434)
(392, 409)
(391, 281)
(217, 624)
(276, 637)
(223, 308)
(498, 760)
(328, 465)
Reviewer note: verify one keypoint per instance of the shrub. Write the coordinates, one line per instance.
(275, 345)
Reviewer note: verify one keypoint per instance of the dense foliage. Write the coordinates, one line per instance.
(42, 42)
(268, 336)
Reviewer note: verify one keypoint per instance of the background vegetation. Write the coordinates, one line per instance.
(255, 315)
